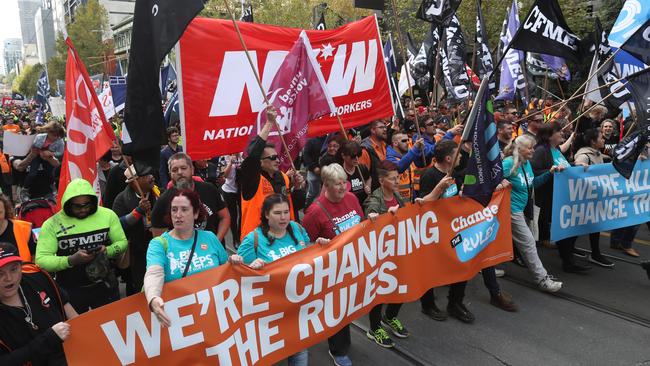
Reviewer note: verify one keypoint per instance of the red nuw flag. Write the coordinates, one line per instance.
(299, 94)
(89, 136)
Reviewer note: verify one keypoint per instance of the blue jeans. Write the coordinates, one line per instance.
(624, 236)
(299, 359)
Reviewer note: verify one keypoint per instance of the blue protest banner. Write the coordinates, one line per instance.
(599, 199)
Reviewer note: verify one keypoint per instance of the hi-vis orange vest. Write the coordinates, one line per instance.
(22, 233)
(251, 210)
(5, 168)
(405, 187)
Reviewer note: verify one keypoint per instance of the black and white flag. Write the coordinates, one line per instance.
(437, 11)
(544, 30)
(246, 11)
(43, 90)
(457, 81)
(483, 56)
(321, 23)
(638, 45)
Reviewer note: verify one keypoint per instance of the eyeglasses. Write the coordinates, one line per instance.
(81, 206)
(270, 157)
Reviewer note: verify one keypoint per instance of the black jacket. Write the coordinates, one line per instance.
(22, 344)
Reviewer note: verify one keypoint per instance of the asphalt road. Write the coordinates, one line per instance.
(598, 318)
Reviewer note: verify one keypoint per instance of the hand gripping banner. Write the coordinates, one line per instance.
(233, 315)
(220, 98)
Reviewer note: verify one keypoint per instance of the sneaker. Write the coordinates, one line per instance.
(381, 337)
(460, 312)
(395, 326)
(340, 360)
(503, 303)
(575, 268)
(579, 253)
(601, 261)
(548, 285)
(499, 272)
(435, 313)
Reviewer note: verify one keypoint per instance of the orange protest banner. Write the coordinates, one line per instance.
(233, 315)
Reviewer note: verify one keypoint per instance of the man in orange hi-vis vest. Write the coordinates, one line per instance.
(260, 176)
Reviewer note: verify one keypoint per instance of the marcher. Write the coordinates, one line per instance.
(33, 313)
(76, 244)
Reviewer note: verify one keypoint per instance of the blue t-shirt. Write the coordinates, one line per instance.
(519, 196)
(558, 158)
(209, 253)
(281, 247)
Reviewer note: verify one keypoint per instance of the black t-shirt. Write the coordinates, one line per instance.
(8, 237)
(433, 176)
(209, 196)
(357, 183)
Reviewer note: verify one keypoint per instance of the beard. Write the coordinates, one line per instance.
(183, 183)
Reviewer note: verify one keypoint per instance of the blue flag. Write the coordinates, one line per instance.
(167, 75)
(512, 76)
(171, 110)
(484, 169)
(42, 89)
(118, 90)
(389, 57)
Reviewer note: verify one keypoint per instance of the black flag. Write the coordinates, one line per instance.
(544, 30)
(246, 11)
(157, 26)
(483, 56)
(369, 4)
(437, 11)
(627, 151)
(321, 23)
(453, 64)
(638, 45)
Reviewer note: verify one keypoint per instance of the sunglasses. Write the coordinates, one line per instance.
(404, 141)
(271, 157)
(81, 206)
(430, 124)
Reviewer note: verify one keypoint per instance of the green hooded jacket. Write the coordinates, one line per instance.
(62, 235)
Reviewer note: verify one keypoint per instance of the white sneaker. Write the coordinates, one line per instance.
(548, 285)
(499, 272)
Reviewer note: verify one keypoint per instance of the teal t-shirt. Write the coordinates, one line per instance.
(209, 253)
(558, 158)
(267, 252)
(519, 196)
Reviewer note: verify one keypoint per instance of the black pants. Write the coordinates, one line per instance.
(566, 247)
(83, 299)
(375, 314)
(232, 201)
(137, 268)
(490, 280)
(340, 342)
(456, 295)
(544, 222)
(594, 241)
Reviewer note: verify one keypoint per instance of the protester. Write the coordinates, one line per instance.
(114, 184)
(46, 153)
(375, 146)
(16, 232)
(384, 199)
(230, 194)
(30, 333)
(173, 136)
(171, 256)
(181, 171)
(400, 154)
(334, 212)
(310, 157)
(276, 237)
(133, 206)
(504, 134)
(76, 244)
(589, 154)
(549, 153)
(358, 175)
(610, 136)
(104, 165)
(208, 171)
(517, 169)
(260, 175)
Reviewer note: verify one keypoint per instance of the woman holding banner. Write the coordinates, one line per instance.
(171, 256)
(549, 152)
(33, 311)
(276, 237)
(518, 170)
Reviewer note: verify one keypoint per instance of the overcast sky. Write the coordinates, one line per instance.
(9, 21)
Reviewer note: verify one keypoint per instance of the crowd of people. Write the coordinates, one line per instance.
(144, 227)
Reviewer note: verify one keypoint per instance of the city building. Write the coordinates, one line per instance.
(45, 34)
(12, 51)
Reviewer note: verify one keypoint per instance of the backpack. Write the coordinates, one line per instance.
(36, 211)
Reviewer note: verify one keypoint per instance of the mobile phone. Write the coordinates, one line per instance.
(94, 250)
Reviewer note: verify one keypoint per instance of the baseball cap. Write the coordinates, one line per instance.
(9, 254)
(140, 169)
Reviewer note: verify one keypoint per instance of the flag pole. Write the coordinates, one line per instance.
(436, 66)
(259, 83)
(559, 85)
(407, 68)
(594, 106)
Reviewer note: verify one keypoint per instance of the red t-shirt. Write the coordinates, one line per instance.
(391, 203)
(345, 214)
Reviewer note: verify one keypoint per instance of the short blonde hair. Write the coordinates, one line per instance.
(331, 173)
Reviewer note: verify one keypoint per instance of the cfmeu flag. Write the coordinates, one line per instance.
(89, 136)
(299, 94)
(484, 169)
(157, 26)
